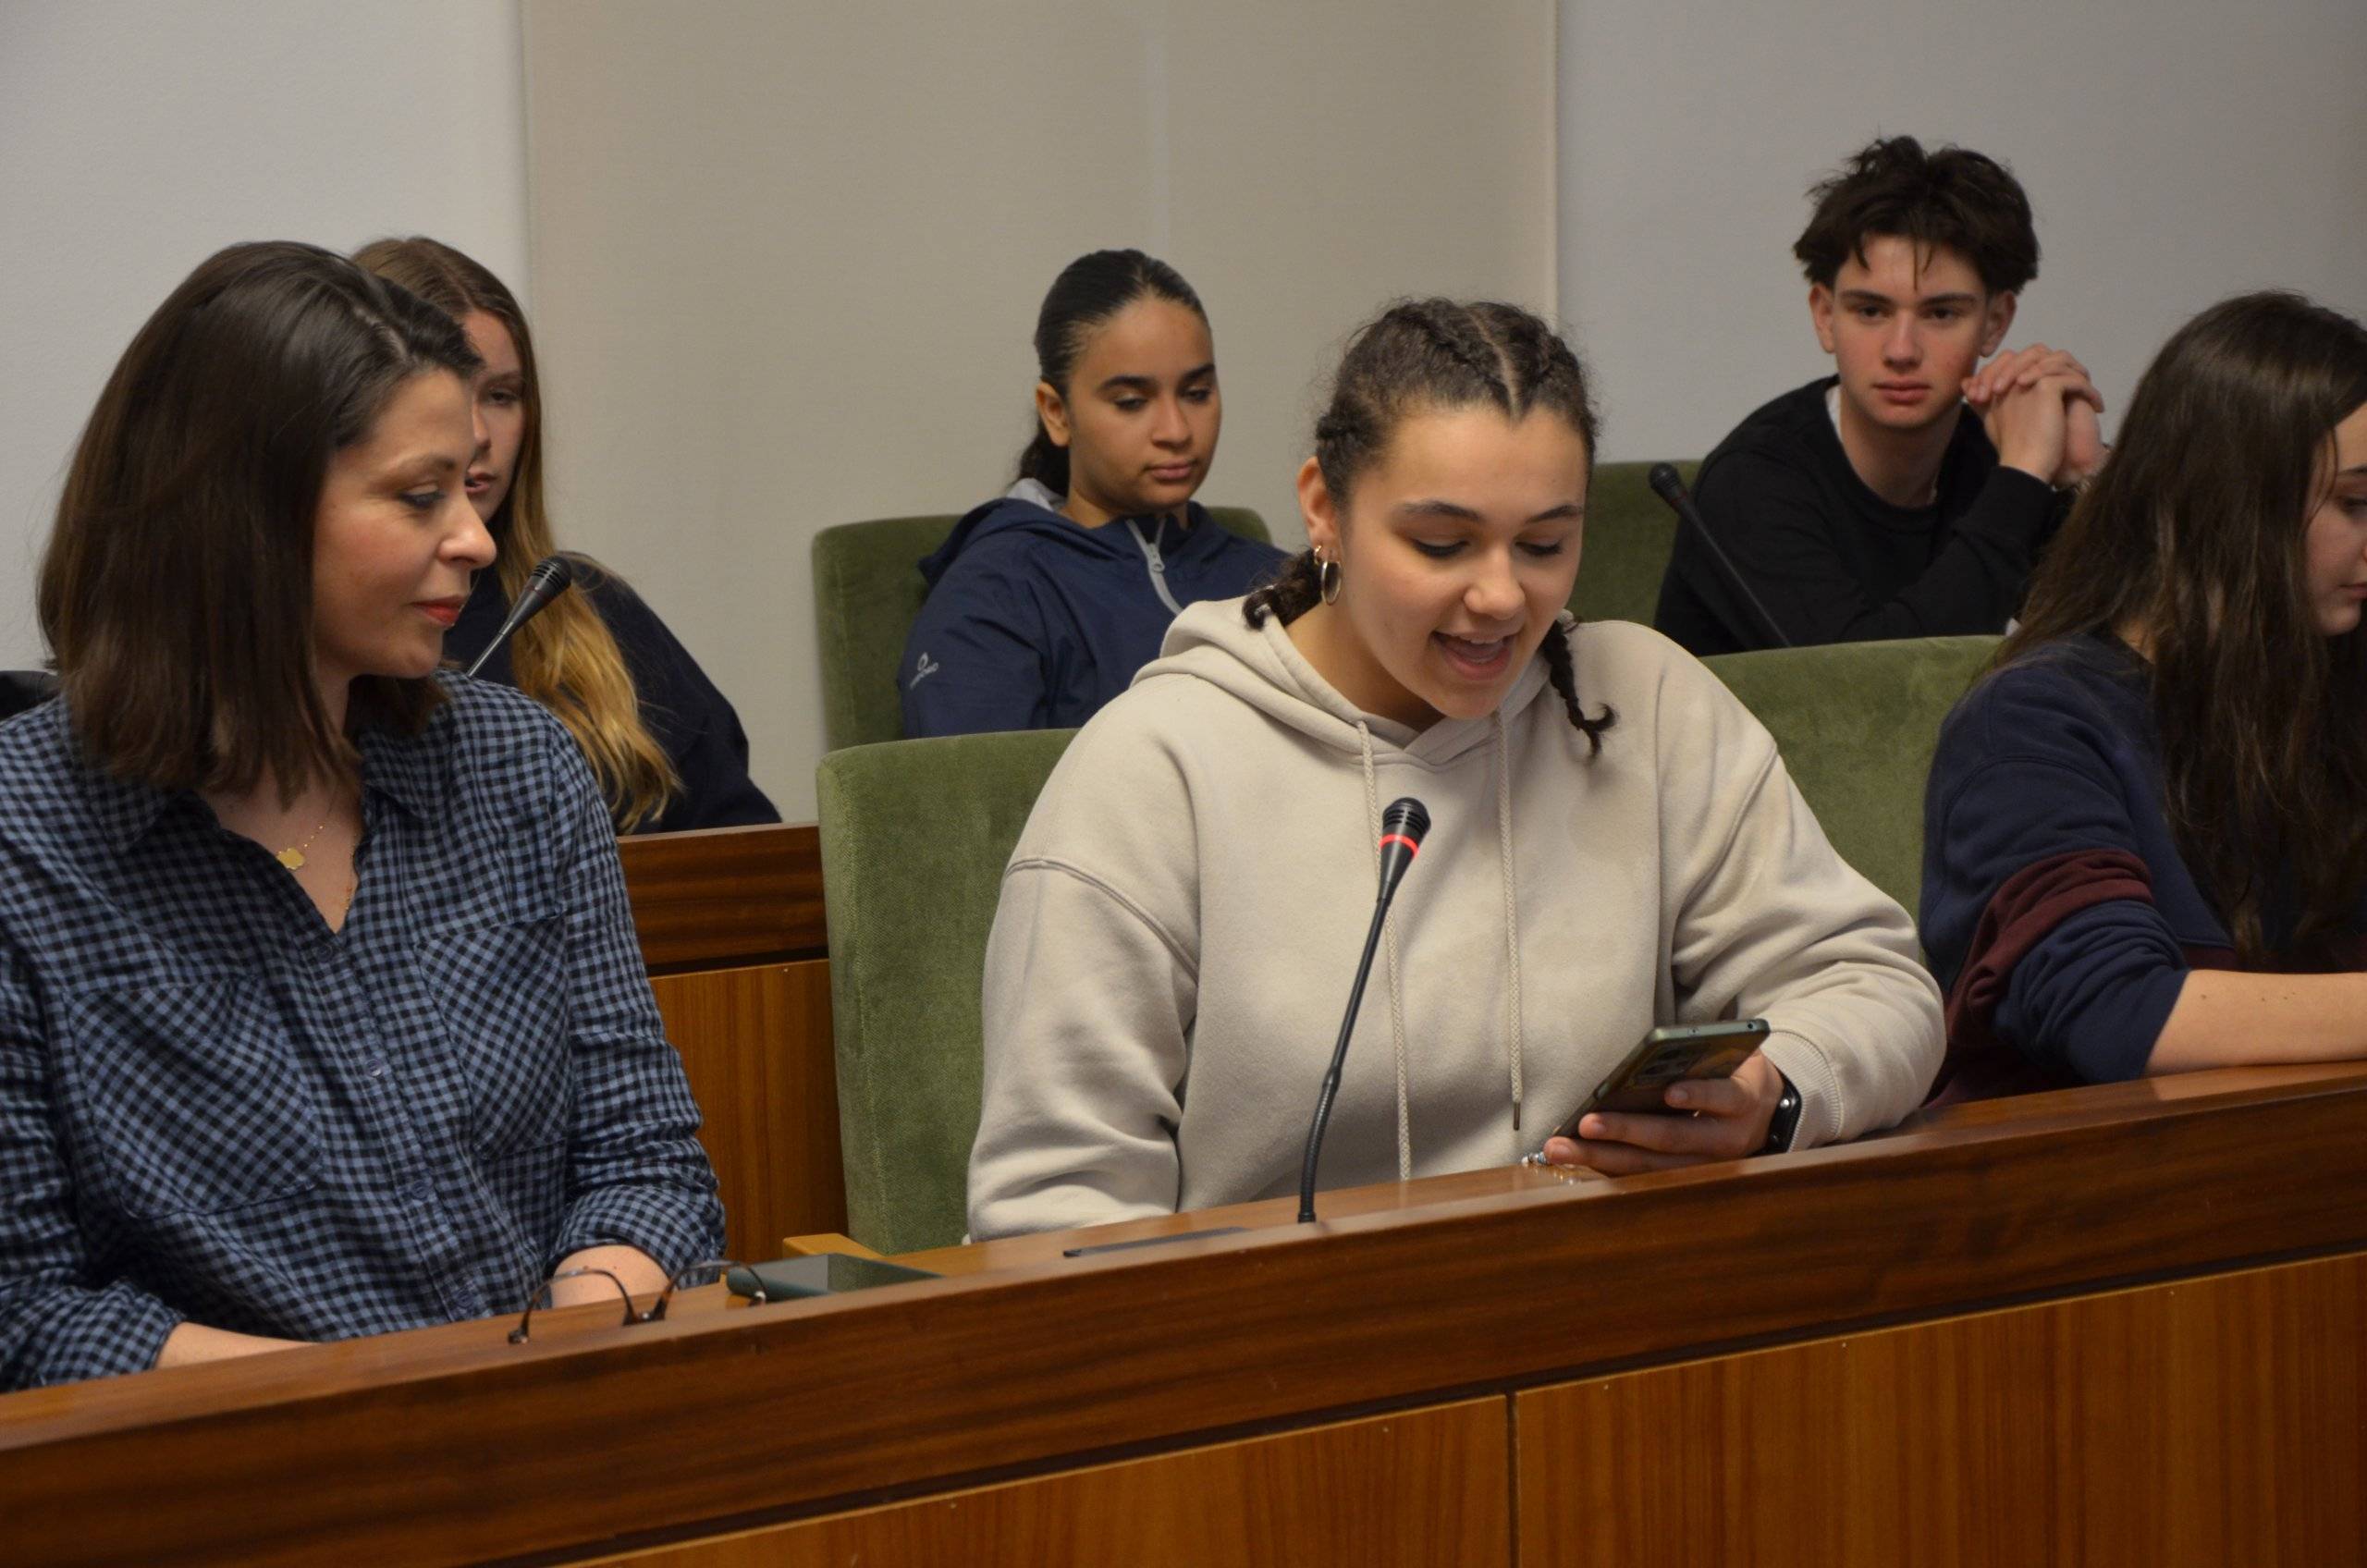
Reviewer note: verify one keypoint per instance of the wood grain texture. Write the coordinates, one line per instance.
(820, 1242)
(723, 897)
(448, 1445)
(1425, 1488)
(769, 1100)
(2209, 1422)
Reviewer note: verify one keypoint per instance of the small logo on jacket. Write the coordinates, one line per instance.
(923, 670)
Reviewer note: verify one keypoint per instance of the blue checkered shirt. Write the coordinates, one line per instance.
(215, 1109)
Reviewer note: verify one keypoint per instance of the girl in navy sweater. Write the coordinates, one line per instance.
(1045, 601)
(2145, 836)
(664, 743)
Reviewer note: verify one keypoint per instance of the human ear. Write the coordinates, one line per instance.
(1316, 506)
(1820, 315)
(2000, 321)
(1054, 412)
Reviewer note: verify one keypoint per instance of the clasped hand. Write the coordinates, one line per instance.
(2040, 408)
(1710, 1119)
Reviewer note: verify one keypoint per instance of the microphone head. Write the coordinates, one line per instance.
(1663, 478)
(550, 572)
(1406, 819)
(1401, 827)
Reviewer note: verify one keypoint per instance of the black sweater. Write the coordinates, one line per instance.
(681, 706)
(1833, 562)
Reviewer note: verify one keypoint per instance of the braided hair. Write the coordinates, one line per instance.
(1441, 354)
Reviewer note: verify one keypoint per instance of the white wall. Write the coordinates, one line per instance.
(2175, 153)
(137, 137)
(788, 258)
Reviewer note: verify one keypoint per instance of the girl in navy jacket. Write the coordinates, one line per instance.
(2145, 836)
(1045, 601)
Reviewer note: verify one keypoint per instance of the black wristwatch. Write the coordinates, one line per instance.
(1786, 1120)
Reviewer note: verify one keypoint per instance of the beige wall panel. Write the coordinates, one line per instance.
(2174, 154)
(787, 257)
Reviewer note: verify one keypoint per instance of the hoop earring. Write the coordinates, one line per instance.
(1327, 577)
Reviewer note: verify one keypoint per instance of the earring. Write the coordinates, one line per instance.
(1327, 577)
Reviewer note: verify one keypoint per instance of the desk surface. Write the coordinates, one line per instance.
(449, 1444)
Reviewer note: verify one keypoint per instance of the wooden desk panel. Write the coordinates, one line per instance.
(731, 929)
(1427, 1488)
(2213, 1422)
(724, 896)
(449, 1445)
(755, 1044)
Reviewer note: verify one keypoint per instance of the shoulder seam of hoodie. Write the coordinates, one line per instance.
(1040, 863)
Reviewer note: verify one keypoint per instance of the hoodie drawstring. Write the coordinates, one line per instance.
(1512, 914)
(1514, 1032)
(1396, 994)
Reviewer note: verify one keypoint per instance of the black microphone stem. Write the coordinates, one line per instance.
(1669, 487)
(551, 577)
(1339, 1059)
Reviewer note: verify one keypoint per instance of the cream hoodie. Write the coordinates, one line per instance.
(1181, 921)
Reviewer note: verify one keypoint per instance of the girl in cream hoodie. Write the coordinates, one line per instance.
(1614, 845)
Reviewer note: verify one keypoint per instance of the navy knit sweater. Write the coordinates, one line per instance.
(683, 709)
(2058, 913)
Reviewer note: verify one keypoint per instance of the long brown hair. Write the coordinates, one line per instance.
(1441, 354)
(566, 658)
(2192, 535)
(177, 591)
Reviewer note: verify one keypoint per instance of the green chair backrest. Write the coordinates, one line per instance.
(1857, 723)
(914, 837)
(867, 593)
(1629, 534)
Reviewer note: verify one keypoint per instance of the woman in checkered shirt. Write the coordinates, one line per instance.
(321, 1010)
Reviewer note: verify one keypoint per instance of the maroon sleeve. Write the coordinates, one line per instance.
(2030, 904)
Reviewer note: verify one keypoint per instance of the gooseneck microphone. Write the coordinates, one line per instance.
(1401, 827)
(549, 579)
(1670, 488)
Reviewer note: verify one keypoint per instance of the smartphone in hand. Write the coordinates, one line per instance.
(1668, 1055)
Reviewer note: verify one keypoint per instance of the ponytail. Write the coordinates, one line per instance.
(1046, 464)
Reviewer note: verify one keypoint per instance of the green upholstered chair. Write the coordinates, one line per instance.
(867, 591)
(1629, 534)
(914, 837)
(1857, 723)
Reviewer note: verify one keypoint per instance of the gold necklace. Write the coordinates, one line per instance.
(293, 856)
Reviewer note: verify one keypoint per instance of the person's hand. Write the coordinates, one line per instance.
(2083, 443)
(1715, 1118)
(2040, 410)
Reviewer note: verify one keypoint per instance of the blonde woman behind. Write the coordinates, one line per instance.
(664, 744)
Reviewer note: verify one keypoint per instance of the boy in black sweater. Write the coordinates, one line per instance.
(1867, 504)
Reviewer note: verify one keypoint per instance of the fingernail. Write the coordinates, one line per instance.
(1680, 1095)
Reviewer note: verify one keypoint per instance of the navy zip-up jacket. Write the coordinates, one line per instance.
(1033, 622)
